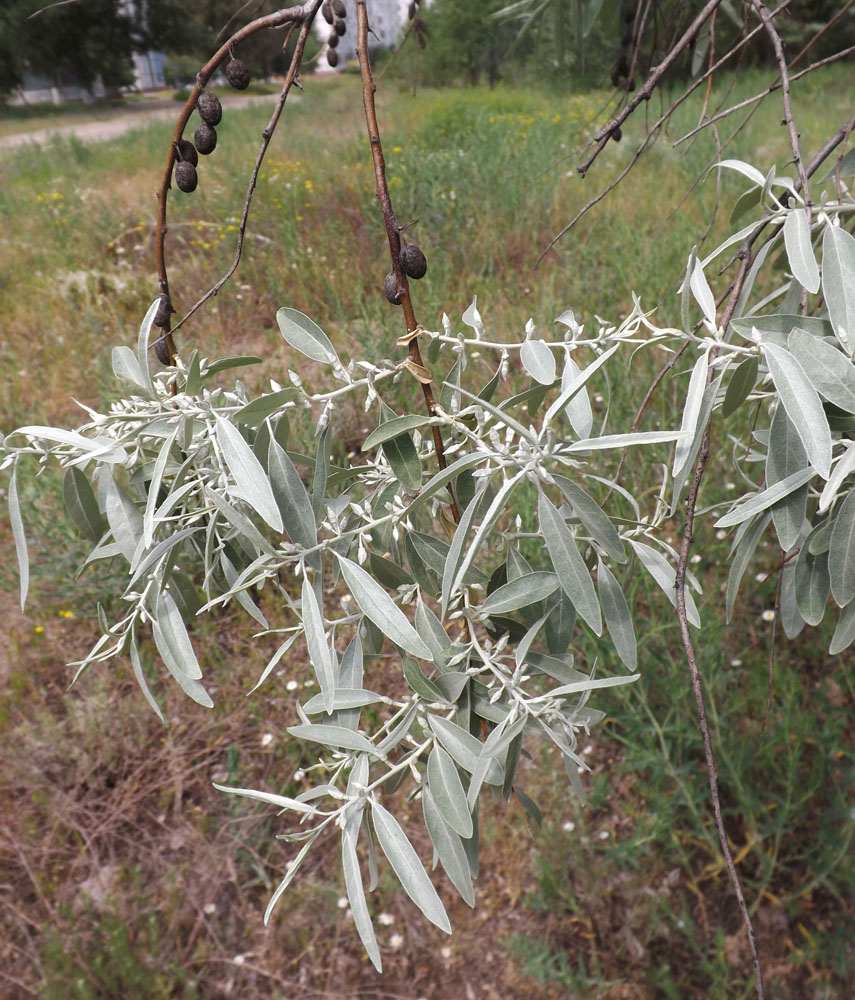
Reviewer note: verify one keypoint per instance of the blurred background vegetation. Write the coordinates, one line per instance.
(123, 873)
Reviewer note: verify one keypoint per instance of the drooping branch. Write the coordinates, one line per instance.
(414, 362)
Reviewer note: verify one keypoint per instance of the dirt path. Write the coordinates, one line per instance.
(118, 124)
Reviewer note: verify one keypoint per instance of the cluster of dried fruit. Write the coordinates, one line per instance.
(419, 26)
(205, 137)
(413, 264)
(334, 12)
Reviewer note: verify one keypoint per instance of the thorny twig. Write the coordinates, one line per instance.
(393, 233)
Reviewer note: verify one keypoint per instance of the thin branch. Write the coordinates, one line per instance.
(398, 48)
(393, 234)
(267, 135)
(50, 6)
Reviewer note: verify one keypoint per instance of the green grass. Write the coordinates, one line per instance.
(489, 175)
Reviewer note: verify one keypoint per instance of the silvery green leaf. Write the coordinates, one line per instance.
(140, 678)
(145, 559)
(142, 345)
(238, 520)
(844, 633)
(126, 367)
(800, 250)
(233, 361)
(154, 486)
(343, 698)
(277, 656)
(741, 558)
(452, 685)
(441, 479)
(559, 666)
(236, 586)
(291, 497)
(525, 644)
(306, 336)
(592, 516)
(250, 478)
(406, 865)
(449, 847)
(282, 801)
(174, 635)
(379, 607)
(578, 408)
(841, 553)
(843, 467)
(124, 518)
(838, 283)
(355, 890)
(786, 456)
(189, 685)
(473, 318)
(740, 386)
(501, 414)
(404, 461)
(389, 573)
(336, 737)
(350, 674)
(538, 360)
(20, 537)
(803, 406)
(447, 791)
(830, 371)
(434, 635)
(292, 869)
(764, 499)
(665, 576)
(257, 411)
(392, 428)
(569, 565)
(463, 747)
(617, 615)
(81, 504)
(321, 471)
(703, 294)
(490, 388)
(520, 593)
(72, 438)
(449, 393)
(691, 414)
(626, 440)
(591, 684)
(812, 585)
(316, 641)
(560, 622)
(791, 618)
(741, 167)
(776, 327)
(423, 686)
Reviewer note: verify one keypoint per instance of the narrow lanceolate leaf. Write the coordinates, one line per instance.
(449, 847)
(803, 406)
(81, 504)
(520, 593)
(786, 456)
(578, 409)
(800, 250)
(841, 553)
(126, 367)
(293, 868)
(407, 866)
(539, 361)
(403, 458)
(838, 283)
(136, 665)
(258, 410)
(703, 294)
(379, 607)
(463, 747)
(617, 615)
(626, 440)
(142, 343)
(665, 576)
(843, 467)
(20, 537)
(741, 383)
(573, 386)
(123, 517)
(175, 636)
(391, 429)
(593, 517)
(251, 481)
(335, 737)
(282, 801)
(844, 634)
(154, 486)
(316, 642)
(691, 412)
(447, 791)
(812, 586)
(306, 336)
(764, 499)
(343, 698)
(569, 565)
(829, 369)
(356, 892)
(291, 497)
(741, 558)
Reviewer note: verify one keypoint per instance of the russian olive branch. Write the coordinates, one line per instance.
(413, 363)
(291, 15)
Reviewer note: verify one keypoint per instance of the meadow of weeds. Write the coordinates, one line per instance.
(123, 872)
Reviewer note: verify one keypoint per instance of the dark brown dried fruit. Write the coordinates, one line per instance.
(205, 139)
(185, 176)
(394, 292)
(411, 12)
(164, 311)
(326, 10)
(339, 27)
(332, 41)
(339, 8)
(617, 133)
(161, 351)
(187, 152)
(237, 74)
(332, 57)
(413, 261)
(209, 108)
